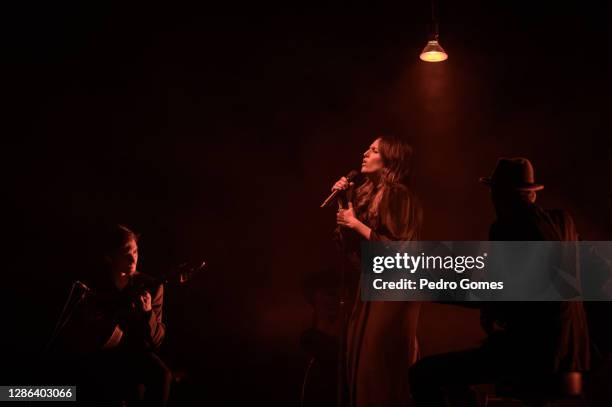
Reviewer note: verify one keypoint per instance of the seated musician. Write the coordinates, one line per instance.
(132, 302)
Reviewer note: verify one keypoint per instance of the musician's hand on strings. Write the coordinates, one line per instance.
(145, 301)
(342, 184)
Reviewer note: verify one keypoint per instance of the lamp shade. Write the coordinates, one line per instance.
(433, 52)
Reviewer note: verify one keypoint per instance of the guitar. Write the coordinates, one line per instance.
(96, 317)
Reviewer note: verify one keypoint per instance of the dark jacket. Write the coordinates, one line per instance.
(95, 322)
(553, 336)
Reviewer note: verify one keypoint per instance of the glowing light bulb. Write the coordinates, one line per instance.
(433, 52)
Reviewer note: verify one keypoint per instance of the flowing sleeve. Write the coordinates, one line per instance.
(399, 215)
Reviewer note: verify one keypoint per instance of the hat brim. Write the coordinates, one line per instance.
(524, 187)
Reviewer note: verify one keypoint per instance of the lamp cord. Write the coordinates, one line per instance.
(433, 14)
(434, 22)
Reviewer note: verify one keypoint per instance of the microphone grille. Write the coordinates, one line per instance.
(352, 175)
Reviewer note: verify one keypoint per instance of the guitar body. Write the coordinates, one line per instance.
(94, 325)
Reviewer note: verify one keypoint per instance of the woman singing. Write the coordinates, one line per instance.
(381, 338)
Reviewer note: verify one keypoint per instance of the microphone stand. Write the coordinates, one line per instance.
(341, 372)
(342, 314)
(66, 315)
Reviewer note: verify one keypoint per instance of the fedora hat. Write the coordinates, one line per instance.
(513, 173)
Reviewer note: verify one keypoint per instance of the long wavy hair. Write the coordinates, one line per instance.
(396, 155)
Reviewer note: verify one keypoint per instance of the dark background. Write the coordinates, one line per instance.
(216, 134)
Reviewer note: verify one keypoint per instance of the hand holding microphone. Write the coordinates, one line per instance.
(342, 184)
(345, 216)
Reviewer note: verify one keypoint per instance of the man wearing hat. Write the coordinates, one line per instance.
(513, 193)
(527, 341)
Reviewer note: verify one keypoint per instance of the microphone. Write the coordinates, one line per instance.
(82, 285)
(350, 177)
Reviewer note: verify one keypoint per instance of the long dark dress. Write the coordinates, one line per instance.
(381, 337)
